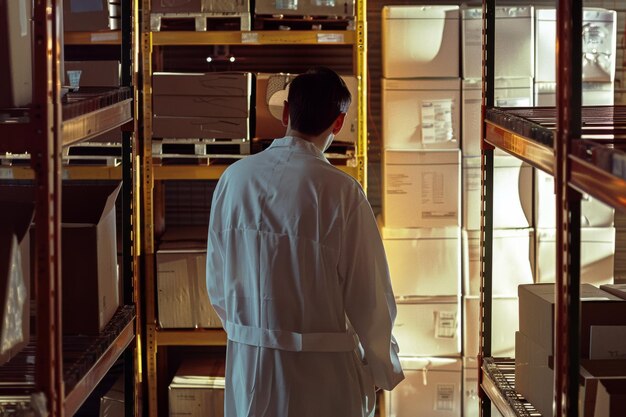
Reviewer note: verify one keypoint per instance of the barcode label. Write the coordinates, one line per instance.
(445, 397)
(445, 326)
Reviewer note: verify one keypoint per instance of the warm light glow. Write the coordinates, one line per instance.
(209, 59)
(231, 59)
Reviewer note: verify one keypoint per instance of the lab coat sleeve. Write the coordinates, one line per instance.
(368, 296)
(215, 272)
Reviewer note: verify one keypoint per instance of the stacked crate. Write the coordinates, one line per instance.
(513, 235)
(421, 203)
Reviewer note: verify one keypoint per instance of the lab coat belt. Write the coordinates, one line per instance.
(290, 341)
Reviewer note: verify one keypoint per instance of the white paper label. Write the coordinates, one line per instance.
(102, 37)
(445, 397)
(249, 37)
(437, 121)
(330, 38)
(24, 21)
(398, 184)
(445, 325)
(513, 102)
(608, 342)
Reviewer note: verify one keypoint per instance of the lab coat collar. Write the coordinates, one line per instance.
(299, 143)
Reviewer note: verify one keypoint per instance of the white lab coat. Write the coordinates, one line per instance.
(296, 267)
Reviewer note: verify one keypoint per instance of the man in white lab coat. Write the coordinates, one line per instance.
(297, 272)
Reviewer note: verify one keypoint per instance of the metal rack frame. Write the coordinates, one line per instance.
(575, 171)
(156, 337)
(43, 136)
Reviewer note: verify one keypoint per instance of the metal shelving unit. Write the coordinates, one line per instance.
(64, 370)
(156, 337)
(582, 147)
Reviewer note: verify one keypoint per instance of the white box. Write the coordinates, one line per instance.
(599, 39)
(512, 190)
(509, 92)
(428, 326)
(471, 401)
(197, 389)
(505, 322)
(343, 8)
(424, 262)
(594, 212)
(432, 387)
(594, 94)
(420, 41)
(421, 114)
(597, 249)
(512, 255)
(16, 76)
(513, 47)
(421, 188)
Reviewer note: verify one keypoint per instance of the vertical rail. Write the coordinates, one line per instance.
(486, 235)
(361, 74)
(567, 338)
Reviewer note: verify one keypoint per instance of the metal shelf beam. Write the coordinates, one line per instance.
(256, 38)
(200, 337)
(113, 37)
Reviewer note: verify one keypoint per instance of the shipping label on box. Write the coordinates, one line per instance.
(608, 342)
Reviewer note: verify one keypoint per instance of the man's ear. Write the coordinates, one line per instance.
(286, 113)
(338, 123)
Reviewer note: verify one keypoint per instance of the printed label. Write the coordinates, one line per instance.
(437, 121)
(398, 184)
(330, 38)
(513, 102)
(101, 37)
(445, 397)
(445, 325)
(249, 37)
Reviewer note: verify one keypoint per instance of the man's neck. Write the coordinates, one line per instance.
(320, 141)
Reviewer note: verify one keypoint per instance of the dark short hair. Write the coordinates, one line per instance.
(316, 98)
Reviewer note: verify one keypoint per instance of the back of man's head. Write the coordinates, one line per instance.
(316, 98)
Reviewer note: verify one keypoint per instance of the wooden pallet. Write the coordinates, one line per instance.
(286, 22)
(199, 22)
(200, 148)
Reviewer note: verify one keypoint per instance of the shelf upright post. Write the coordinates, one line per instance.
(361, 74)
(486, 235)
(567, 321)
(45, 161)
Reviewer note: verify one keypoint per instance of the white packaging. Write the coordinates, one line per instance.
(421, 188)
(421, 114)
(432, 387)
(505, 322)
(513, 47)
(594, 212)
(594, 94)
(424, 262)
(428, 326)
(509, 92)
(471, 401)
(420, 41)
(512, 190)
(597, 250)
(599, 39)
(343, 8)
(511, 266)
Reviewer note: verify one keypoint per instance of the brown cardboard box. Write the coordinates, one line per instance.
(112, 403)
(89, 258)
(536, 313)
(15, 53)
(200, 106)
(591, 373)
(87, 15)
(343, 8)
(618, 290)
(15, 281)
(533, 374)
(229, 84)
(95, 73)
(200, 127)
(611, 398)
(176, 6)
(197, 389)
(183, 300)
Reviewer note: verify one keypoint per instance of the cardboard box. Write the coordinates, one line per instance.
(89, 258)
(471, 401)
(88, 16)
(421, 188)
(536, 314)
(512, 188)
(183, 299)
(16, 75)
(514, 50)
(112, 403)
(597, 250)
(210, 84)
(504, 325)
(95, 73)
(594, 94)
(618, 290)
(200, 127)
(403, 57)
(608, 342)
(511, 263)
(14, 297)
(534, 376)
(611, 398)
(421, 114)
(271, 93)
(594, 212)
(431, 387)
(428, 326)
(343, 8)
(200, 106)
(197, 389)
(424, 262)
(593, 373)
(176, 6)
